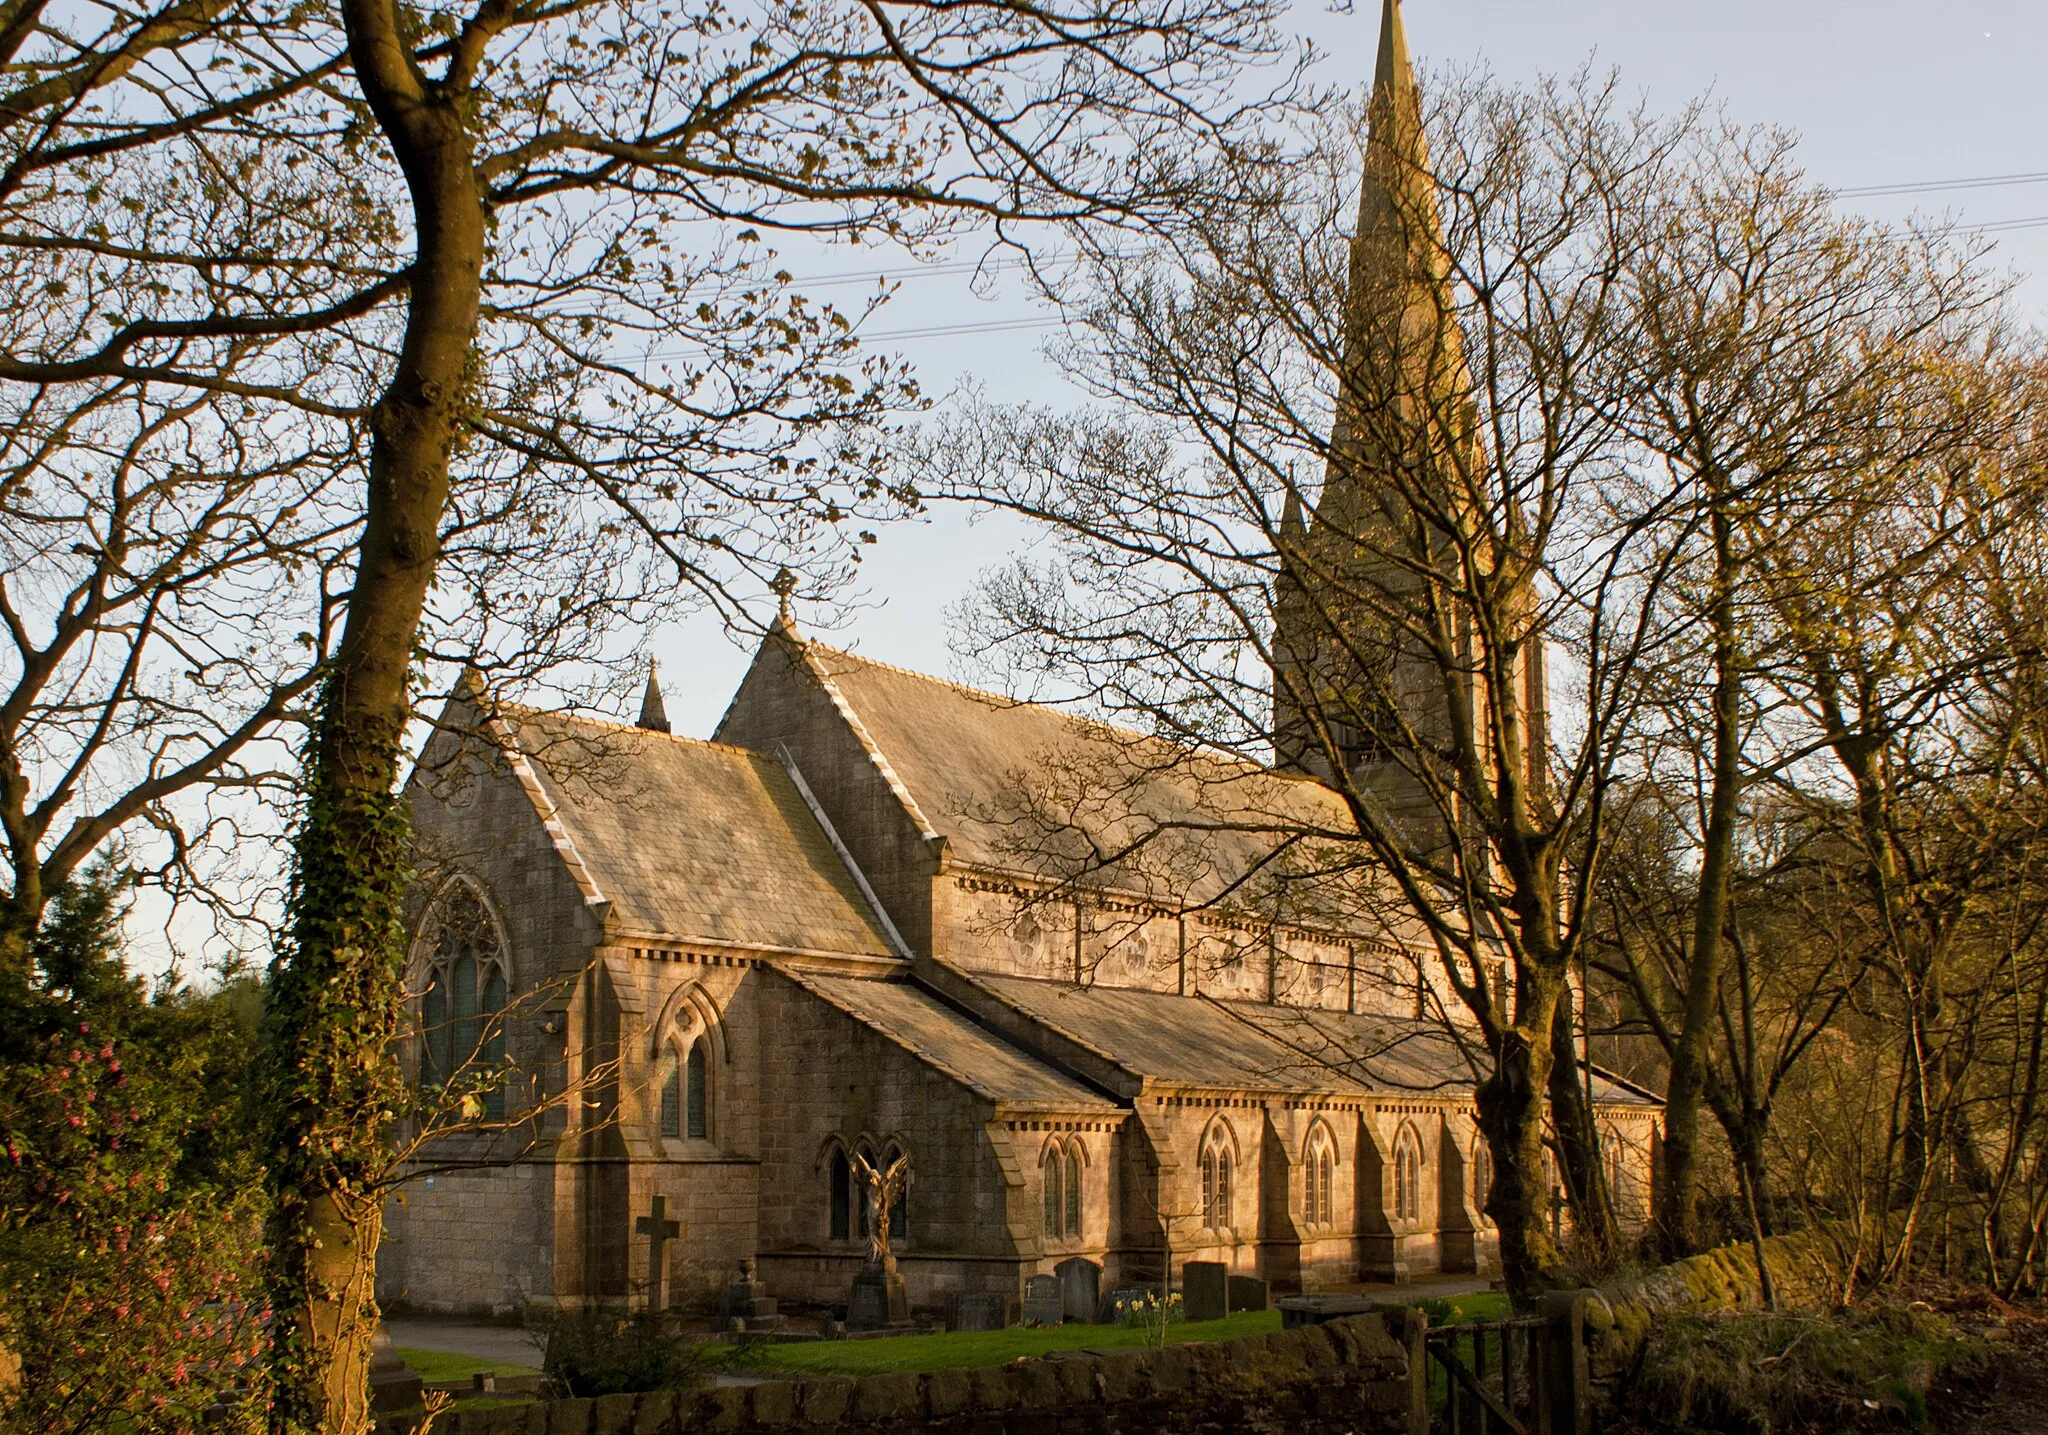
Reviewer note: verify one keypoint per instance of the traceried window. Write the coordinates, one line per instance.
(463, 1003)
(1216, 1209)
(1060, 1168)
(1407, 1175)
(1319, 1179)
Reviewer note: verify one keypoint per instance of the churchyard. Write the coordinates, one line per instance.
(1379, 767)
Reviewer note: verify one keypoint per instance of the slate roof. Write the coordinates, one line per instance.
(1026, 787)
(1252, 1046)
(695, 839)
(945, 1040)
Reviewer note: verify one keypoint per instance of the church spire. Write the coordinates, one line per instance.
(1401, 400)
(653, 714)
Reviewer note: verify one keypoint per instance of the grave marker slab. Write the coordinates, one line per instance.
(1042, 1301)
(1205, 1289)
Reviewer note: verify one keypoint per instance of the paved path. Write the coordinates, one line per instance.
(506, 1344)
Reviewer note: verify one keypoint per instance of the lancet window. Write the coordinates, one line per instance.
(1407, 1175)
(685, 1093)
(1060, 1167)
(1216, 1187)
(1319, 1179)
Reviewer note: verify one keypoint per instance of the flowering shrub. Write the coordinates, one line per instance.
(128, 1223)
(123, 1292)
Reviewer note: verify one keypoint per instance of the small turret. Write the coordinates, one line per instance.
(653, 715)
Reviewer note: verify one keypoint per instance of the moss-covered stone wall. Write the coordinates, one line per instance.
(1347, 1376)
(1805, 1273)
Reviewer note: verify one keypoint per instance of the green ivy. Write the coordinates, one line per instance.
(333, 1080)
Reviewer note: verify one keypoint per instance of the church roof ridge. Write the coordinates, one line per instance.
(621, 725)
(926, 1035)
(1122, 730)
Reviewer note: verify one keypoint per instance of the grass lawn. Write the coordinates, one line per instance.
(437, 1366)
(970, 1348)
(1465, 1309)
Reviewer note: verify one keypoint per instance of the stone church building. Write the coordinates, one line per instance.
(874, 917)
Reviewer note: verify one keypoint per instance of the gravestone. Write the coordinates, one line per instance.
(1247, 1293)
(393, 1383)
(1205, 1290)
(975, 1310)
(1080, 1288)
(748, 1302)
(879, 1300)
(1042, 1302)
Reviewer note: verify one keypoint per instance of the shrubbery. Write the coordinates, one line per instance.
(127, 1225)
(607, 1353)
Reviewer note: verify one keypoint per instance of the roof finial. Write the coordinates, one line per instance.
(783, 584)
(653, 714)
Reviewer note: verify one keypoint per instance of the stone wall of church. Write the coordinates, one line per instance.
(671, 1000)
(1271, 1230)
(781, 705)
(484, 1240)
(828, 1081)
(986, 922)
(477, 1242)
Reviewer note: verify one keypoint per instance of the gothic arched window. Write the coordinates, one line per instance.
(1319, 1179)
(1407, 1175)
(839, 1176)
(462, 1006)
(1052, 1168)
(698, 1092)
(1060, 1166)
(1216, 1209)
(671, 1076)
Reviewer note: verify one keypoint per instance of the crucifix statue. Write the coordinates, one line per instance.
(659, 1231)
(885, 1189)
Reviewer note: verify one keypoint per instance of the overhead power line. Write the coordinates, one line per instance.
(1940, 186)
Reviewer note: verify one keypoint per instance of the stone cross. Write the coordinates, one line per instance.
(659, 1231)
(884, 1189)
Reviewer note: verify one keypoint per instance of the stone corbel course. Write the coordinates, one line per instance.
(1346, 1376)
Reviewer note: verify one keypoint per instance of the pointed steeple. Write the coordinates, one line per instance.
(653, 715)
(1402, 387)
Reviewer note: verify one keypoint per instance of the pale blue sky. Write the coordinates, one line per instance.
(1883, 93)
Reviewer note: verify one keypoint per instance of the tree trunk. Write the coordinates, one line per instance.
(1511, 1107)
(1678, 1182)
(336, 1000)
(1578, 1139)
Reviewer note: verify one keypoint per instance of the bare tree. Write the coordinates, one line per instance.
(1361, 487)
(517, 251)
